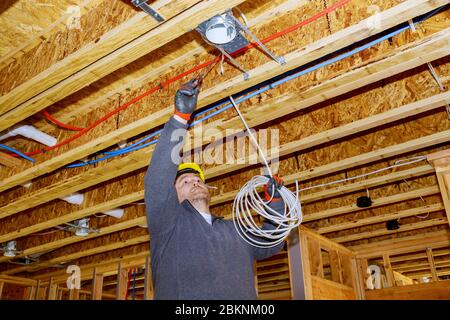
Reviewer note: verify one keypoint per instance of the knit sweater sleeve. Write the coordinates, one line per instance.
(263, 253)
(160, 194)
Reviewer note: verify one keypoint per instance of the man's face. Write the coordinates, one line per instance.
(189, 186)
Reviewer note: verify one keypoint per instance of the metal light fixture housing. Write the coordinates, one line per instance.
(220, 29)
(83, 228)
(10, 249)
(223, 32)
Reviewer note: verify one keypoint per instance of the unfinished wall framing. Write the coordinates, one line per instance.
(80, 60)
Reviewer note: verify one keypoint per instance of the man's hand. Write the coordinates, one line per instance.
(275, 183)
(186, 99)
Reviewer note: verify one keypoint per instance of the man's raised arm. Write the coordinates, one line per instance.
(160, 193)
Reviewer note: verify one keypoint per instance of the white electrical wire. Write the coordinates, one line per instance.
(248, 201)
(399, 163)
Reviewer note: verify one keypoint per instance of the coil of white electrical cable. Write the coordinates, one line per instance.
(248, 202)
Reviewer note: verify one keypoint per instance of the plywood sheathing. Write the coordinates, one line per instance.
(95, 23)
(94, 133)
(242, 179)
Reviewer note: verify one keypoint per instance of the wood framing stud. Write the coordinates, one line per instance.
(97, 285)
(296, 270)
(148, 284)
(9, 161)
(388, 270)
(441, 162)
(432, 265)
(122, 283)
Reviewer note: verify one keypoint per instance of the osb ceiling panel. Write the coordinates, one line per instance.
(94, 101)
(22, 20)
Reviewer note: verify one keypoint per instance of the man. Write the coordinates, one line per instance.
(194, 254)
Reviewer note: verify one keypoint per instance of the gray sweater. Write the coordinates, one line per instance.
(192, 259)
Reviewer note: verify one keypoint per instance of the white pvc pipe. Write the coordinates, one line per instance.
(76, 198)
(31, 133)
(116, 213)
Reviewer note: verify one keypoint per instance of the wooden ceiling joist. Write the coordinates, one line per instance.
(77, 255)
(437, 239)
(422, 255)
(9, 161)
(384, 231)
(139, 196)
(430, 49)
(17, 280)
(368, 183)
(176, 59)
(405, 196)
(417, 275)
(107, 268)
(142, 220)
(74, 239)
(130, 163)
(381, 218)
(45, 32)
(113, 51)
(131, 40)
(273, 273)
(307, 174)
(441, 163)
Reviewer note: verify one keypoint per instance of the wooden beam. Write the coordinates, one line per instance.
(16, 106)
(368, 183)
(432, 265)
(407, 244)
(423, 266)
(137, 78)
(361, 273)
(418, 171)
(384, 231)
(107, 268)
(441, 162)
(9, 161)
(1, 289)
(148, 287)
(139, 195)
(36, 291)
(306, 266)
(388, 271)
(52, 290)
(77, 255)
(381, 218)
(72, 239)
(427, 191)
(45, 33)
(432, 47)
(340, 165)
(122, 283)
(18, 280)
(422, 255)
(296, 272)
(118, 37)
(97, 285)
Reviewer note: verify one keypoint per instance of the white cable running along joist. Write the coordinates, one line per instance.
(248, 201)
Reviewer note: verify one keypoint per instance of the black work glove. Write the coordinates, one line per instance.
(186, 99)
(275, 183)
